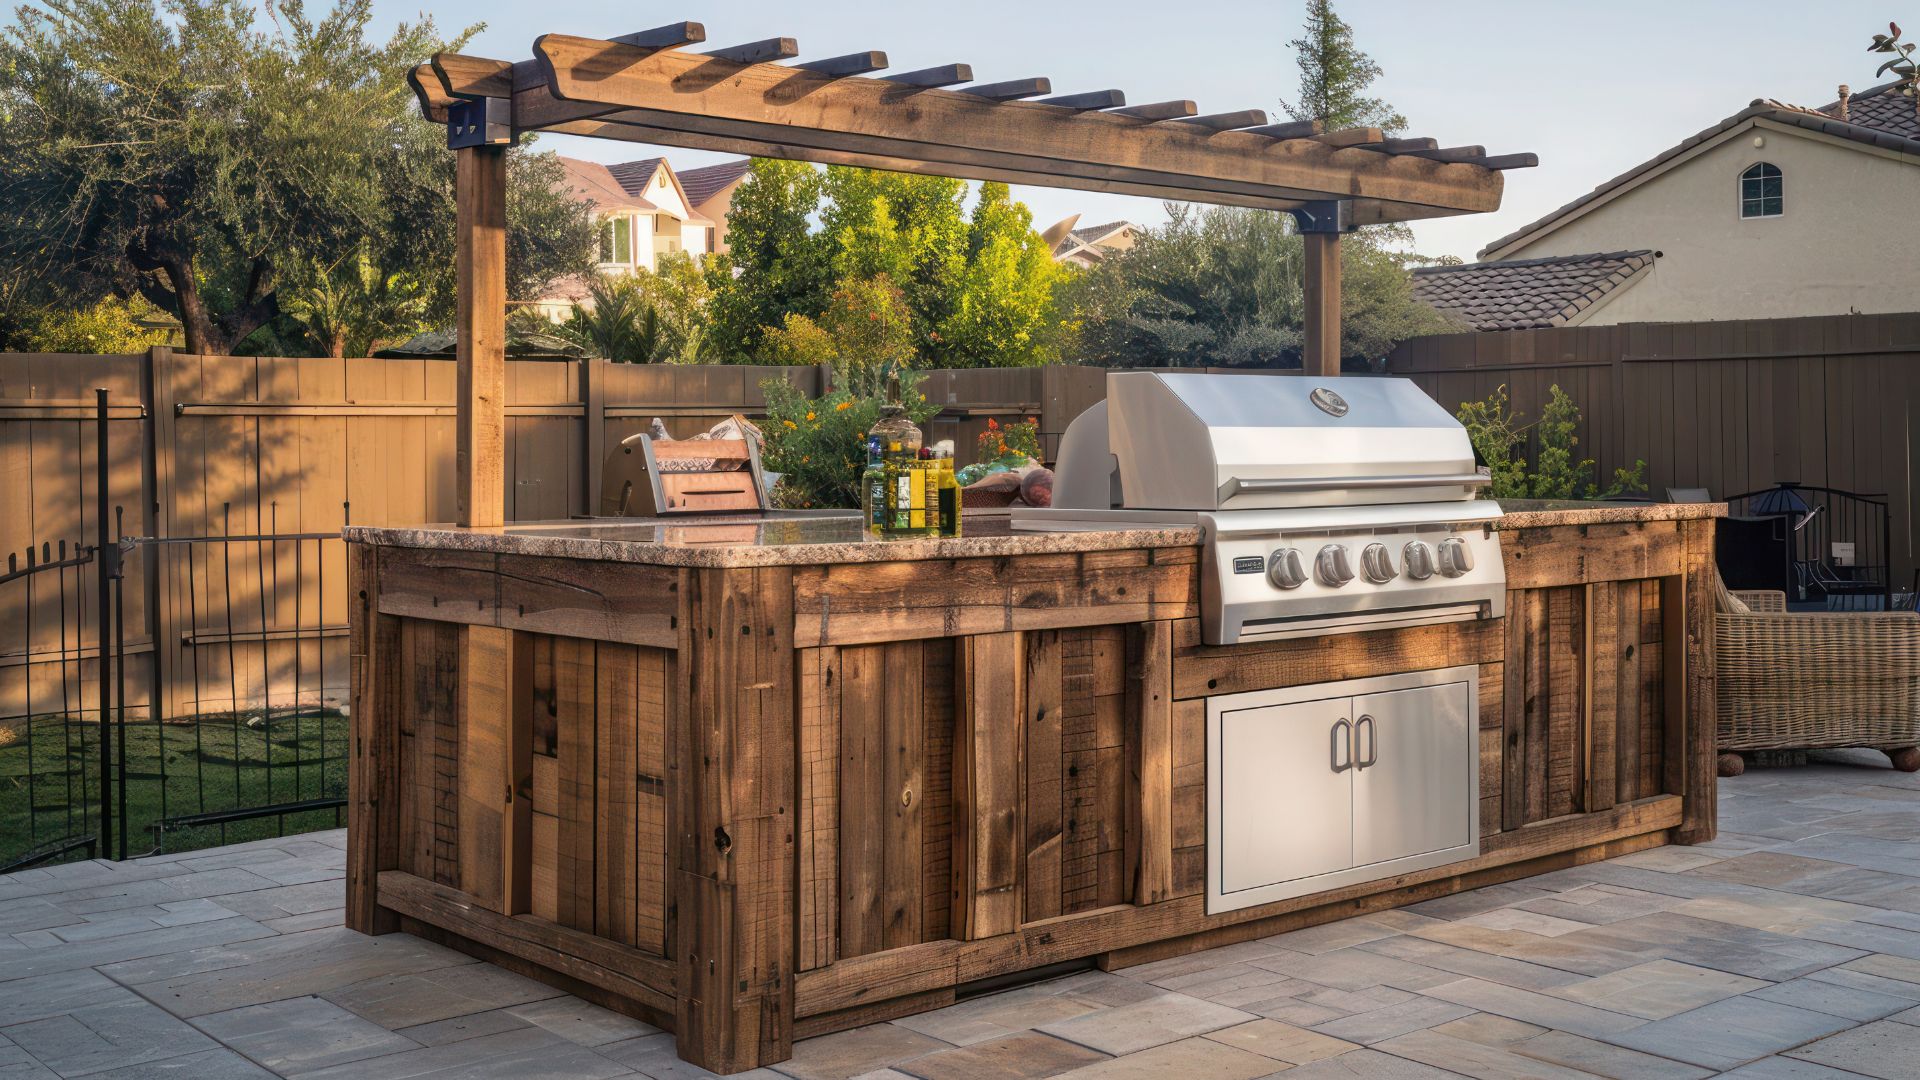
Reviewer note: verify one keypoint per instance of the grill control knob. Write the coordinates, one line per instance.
(1419, 559)
(1376, 562)
(1333, 566)
(1285, 570)
(1456, 557)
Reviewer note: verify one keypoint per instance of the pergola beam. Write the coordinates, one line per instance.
(670, 36)
(839, 67)
(857, 115)
(927, 78)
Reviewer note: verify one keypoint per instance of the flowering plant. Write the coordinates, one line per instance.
(819, 445)
(1012, 445)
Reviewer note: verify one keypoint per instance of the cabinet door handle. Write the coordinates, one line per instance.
(1365, 724)
(1342, 737)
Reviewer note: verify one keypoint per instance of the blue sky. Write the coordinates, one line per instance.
(1591, 88)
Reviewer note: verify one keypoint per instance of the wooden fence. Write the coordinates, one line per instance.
(244, 446)
(213, 446)
(1726, 406)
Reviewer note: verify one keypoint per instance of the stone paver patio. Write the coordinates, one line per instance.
(1788, 948)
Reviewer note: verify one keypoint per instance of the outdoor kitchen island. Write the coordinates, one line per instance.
(756, 780)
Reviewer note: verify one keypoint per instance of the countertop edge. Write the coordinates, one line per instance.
(741, 555)
(731, 556)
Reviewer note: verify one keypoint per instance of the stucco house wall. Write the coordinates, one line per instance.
(1846, 241)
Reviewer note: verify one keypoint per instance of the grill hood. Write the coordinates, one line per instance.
(1203, 442)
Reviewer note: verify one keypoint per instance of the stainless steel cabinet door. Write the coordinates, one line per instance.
(1413, 770)
(1286, 792)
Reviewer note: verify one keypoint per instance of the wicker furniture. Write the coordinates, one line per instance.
(1815, 680)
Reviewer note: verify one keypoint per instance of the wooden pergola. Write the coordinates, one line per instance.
(662, 86)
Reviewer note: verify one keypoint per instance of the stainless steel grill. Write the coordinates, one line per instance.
(1328, 505)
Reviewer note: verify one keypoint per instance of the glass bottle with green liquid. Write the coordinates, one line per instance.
(900, 508)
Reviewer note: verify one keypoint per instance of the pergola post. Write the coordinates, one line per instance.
(480, 229)
(1322, 288)
(1321, 225)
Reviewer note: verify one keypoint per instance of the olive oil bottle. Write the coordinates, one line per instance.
(901, 509)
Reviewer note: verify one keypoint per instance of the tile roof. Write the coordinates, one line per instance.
(1524, 294)
(596, 183)
(1878, 117)
(1883, 109)
(1089, 238)
(634, 176)
(703, 183)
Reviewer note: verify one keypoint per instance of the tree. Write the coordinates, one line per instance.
(865, 332)
(1003, 310)
(171, 149)
(1222, 286)
(353, 306)
(1335, 75)
(776, 264)
(618, 323)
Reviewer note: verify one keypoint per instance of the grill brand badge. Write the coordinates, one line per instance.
(1328, 402)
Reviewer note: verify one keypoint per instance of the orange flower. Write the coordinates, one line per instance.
(810, 414)
(843, 406)
(791, 426)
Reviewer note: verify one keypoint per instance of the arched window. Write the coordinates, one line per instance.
(1760, 191)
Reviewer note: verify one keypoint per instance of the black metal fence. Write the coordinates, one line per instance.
(108, 758)
(1825, 548)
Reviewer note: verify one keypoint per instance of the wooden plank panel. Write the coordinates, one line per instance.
(856, 603)
(1537, 707)
(1603, 662)
(733, 808)
(1189, 797)
(1565, 555)
(494, 744)
(1566, 619)
(574, 698)
(654, 710)
(819, 796)
(901, 874)
(1204, 670)
(377, 825)
(1626, 677)
(986, 778)
(1043, 834)
(863, 798)
(616, 842)
(1149, 818)
(1513, 694)
(627, 602)
(440, 584)
(937, 723)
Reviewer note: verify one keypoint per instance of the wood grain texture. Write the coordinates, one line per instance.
(1044, 829)
(626, 602)
(1579, 554)
(859, 603)
(872, 979)
(667, 93)
(816, 942)
(733, 800)
(376, 809)
(616, 792)
(1320, 288)
(574, 691)
(480, 271)
(986, 779)
(494, 834)
(1691, 709)
(1204, 670)
(1150, 762)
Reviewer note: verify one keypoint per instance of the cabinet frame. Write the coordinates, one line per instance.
(1219, 707)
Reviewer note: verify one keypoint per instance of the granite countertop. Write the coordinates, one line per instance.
(1539, 513)
(816, 538)
(779, 539)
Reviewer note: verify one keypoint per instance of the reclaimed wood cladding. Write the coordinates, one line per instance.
(862, 603)
(1573, 720)
(598, 733)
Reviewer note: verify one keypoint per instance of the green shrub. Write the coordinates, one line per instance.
(819, 444)
(110, 325)
(1558, 472)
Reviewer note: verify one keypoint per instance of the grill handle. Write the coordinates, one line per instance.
(1238, 485)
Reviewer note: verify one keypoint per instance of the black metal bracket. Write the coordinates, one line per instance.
(1324, 216)
(480, 122)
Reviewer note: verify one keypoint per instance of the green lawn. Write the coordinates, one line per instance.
(49, 778)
